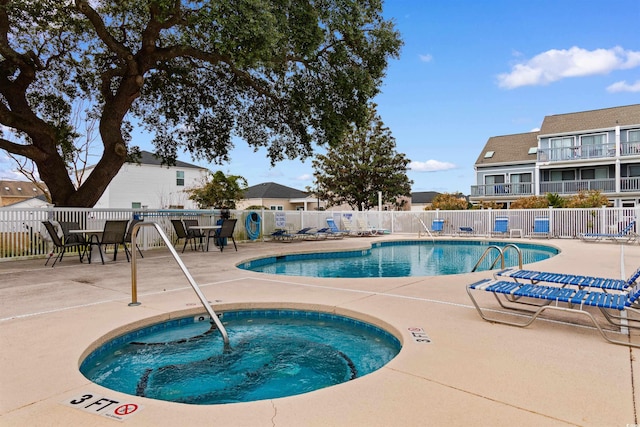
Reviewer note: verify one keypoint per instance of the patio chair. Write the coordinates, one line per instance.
(113, 234)
(437, 226)
(226, 232)
(366, 229)
(329, 234)
(127, 238)
(501, 225)
(183, 233)
(63, 244)
(580, 281)
(310, 233)
(466, 231)
(282, 235)
(627, 234)
(540, 227)
(334, 228)
(567, 300)
(349, 228)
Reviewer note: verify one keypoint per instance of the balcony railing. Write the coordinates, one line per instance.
(513, 189)
(576, 152)
(630, 148)
(572, 187)
(630, 184)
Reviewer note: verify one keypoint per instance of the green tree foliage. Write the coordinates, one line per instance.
(364, 163)
(556, 200)
(220, 191)
(283, 75)
(588, 199)
(449, 202)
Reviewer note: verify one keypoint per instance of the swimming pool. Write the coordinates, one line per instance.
(273, 353)
(398, 259)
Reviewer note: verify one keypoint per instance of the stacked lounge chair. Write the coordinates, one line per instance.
(618, 301)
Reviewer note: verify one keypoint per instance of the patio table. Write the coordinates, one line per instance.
(89, 234)
(208, 229)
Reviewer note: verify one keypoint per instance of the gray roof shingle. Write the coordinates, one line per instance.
(509, 149)
(271, 190)
(606, 118)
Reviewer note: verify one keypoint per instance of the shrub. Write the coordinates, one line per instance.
(588, 199)
(448, 202)
(532, 202)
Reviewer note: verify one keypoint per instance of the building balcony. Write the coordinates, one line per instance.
(577, 152)
(573, 187)
(514, 189)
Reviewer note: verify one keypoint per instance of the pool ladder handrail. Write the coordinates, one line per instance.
(192, 282)
(425, 229)
(500, 256)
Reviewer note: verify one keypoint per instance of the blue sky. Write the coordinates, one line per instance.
(470, 70)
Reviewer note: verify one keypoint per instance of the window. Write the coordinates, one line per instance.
(561, 148)
(533, 150)
(180, 178)
(136, 205)
(593, 145)
(634, 136)
(276, 208)
(569, 175)
(521, 183)
(494, 179)
(596, 173)
(489, 154)
(634, 170)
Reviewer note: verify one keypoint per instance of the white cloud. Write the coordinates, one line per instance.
(535, 130)
(426, 58)
(304, 177)
(431, 166)
(623, 86)
(556, 64)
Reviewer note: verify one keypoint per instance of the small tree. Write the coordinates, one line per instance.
(365, 162)
(449, 202)
(219, 191)
(556, 200)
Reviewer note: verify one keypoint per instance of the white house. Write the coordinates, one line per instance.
(153, 185)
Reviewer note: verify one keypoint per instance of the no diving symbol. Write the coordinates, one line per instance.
(127, 409)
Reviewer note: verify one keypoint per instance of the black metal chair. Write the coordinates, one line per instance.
(113, 234)
(63, 244)
(183, 233)
(226, 232)
(127, 238)
(194, 232)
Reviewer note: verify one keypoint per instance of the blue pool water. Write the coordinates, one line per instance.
(398, 259)
(274, 353)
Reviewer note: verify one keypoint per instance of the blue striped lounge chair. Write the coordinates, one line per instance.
(627, 234)
(580, 281)
(334, 228)
(566, 299)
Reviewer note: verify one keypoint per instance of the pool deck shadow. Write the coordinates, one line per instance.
(558, 371)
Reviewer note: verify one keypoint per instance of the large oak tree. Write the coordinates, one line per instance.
(280, 74)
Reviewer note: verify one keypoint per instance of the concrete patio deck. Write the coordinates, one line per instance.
(471, 373)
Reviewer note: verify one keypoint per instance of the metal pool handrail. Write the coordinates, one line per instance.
(500, 256)
(192, 282)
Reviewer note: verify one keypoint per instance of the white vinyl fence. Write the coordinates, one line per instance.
(22, 234)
